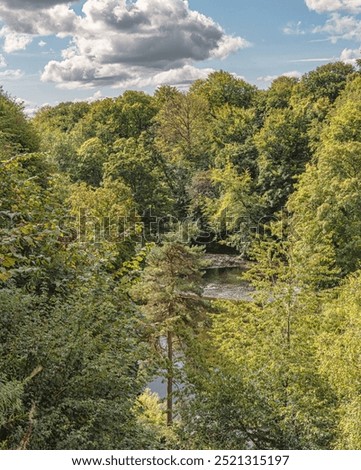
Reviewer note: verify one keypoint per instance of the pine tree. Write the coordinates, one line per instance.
(169, 289)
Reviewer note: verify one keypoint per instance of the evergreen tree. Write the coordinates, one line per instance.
(170, 290)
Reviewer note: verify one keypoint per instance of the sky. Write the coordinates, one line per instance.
(56, 50)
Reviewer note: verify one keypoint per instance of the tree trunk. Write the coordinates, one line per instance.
(170, 379)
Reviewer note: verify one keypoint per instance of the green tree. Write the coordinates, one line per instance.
(339, 350)
(138, 164)
(233, 132)
(62, 117)
(282, 144)
(255, 381)
(326, 81)
(112, 118)
(169, 289)
(89, 347)
(91, 157)
(182, 130)
(34, 224)
(106, 223)
(16, 132)
(326, 206)
(236, 213)
(222, 88)
(280, 92)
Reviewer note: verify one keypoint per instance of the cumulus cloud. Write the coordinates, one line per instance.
(118, 42)
(341, 27)
(96, 96)
(2, 61)
(31, 4)
(25, 20)
(227, 45)
(177, 77)
(350, 56)
(81, 71)
(14, 41)
(325, 6)
(11, 74)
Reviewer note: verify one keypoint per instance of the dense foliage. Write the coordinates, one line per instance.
(106, 210)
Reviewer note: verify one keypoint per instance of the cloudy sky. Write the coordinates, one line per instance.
(56, 50)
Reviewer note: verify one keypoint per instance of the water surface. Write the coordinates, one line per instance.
(226, 283)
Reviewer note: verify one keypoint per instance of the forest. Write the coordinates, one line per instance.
(108, 210)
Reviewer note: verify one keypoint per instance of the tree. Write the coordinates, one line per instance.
(326, 81)
(339, 350)
(90, 348)
(182, 143)
(16, 132)
(62, 117)
(255, 381)
(34, 224)
(105, 221)
(233, 132)
(326, 205)
(137, 163)
(283, 152)
(91, 157)
(236, 212)
(112, 118)
(222, 88)
(280, 92)
(182, 130)
(169, 289)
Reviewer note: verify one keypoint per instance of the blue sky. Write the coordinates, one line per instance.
(53, 50)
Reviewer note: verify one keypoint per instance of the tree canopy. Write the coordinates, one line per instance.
(108, 213)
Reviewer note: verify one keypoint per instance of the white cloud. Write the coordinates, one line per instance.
(326, 6)
(292, 28)
(29, 107)
(2, 61)
(228, 45)
(350, 56)
(41, 43)
(118, 42)
(315, 59)
(81, 71)
(14, 41)
(31, 4)
(11, 74)
(292, 74)
(270, 78)
(21, 23)
(98, 95)
(177, 77)
(341, 27)
(95, 97)
(23, 102)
